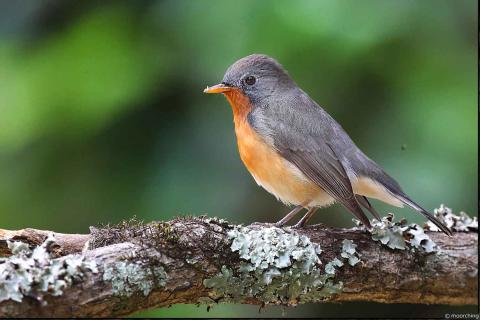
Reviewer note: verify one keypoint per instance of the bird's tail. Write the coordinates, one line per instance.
(371, 170)
(409, 202)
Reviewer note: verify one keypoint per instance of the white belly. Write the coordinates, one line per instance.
(369, 188)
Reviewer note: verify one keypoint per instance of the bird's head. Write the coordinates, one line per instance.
(256, 76)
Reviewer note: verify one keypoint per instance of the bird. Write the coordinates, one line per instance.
(296, 151)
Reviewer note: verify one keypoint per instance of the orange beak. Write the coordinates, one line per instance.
(218, 88)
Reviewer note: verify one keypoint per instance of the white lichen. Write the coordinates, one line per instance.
(388, 233)
(277, 267)
(34, 273)
(215, 220)
(400, 235)
(330, 267)
(461, 222)
(273, 247)
(349, 252)
(129, 277)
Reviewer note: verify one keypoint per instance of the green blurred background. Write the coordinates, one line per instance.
(102, 114)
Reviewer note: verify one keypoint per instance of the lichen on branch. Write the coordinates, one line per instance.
(35, 274)
(400, 235)
(278, 267)
(119, 269)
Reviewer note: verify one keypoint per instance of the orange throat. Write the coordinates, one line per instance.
(247, 139)
(267, 167)
(240, 104)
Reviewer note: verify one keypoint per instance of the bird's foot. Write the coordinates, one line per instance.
(299, 225)
(303, 222)
(288, 217)
(263, 224)
(279, 224)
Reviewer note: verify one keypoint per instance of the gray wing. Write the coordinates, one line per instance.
(303, 133)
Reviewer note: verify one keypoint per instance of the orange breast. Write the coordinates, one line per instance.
(269, 169)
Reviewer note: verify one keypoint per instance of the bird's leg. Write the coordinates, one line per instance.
(305, 218)
(288, 217)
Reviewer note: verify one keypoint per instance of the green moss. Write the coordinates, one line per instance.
(34, 273)
(130, 277)
(277, 267)
(152, 235)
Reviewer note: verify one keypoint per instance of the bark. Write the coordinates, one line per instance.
(383, 275)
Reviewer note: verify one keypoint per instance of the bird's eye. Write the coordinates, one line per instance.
(250, 80)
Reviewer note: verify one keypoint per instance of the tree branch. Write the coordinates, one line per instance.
(192, 260)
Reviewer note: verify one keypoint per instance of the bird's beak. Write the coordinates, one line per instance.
(218, 88)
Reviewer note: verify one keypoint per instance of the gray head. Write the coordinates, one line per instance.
(258, 76)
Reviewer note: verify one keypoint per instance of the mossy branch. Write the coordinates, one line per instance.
(118, 270)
